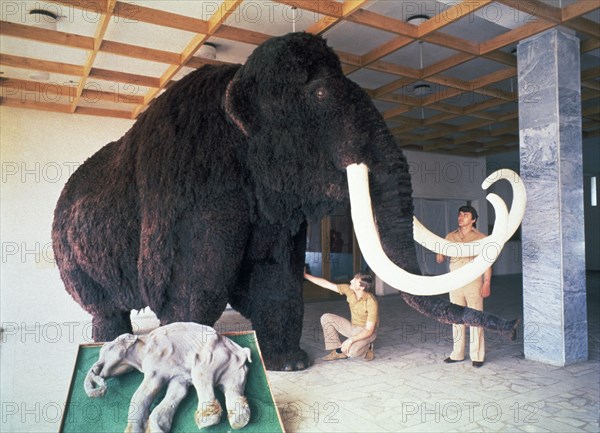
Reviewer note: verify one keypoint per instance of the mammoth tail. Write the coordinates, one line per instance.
(444, 311)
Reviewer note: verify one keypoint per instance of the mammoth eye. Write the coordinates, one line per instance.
(321, 93)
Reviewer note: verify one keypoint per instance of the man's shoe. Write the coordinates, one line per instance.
(370, 355)
(452, 361)
(333, 356)
(477, 364)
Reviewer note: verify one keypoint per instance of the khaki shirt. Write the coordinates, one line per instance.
(363, 310)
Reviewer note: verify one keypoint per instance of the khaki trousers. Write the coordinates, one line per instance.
(469, 296)
(334, 325)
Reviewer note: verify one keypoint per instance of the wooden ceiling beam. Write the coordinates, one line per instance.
(536, 8)
(41, 65)
(385, 49)
(447, 81)
(381, 22)
(124, 77)
(591, 84)
(447, 108)
(394, 69)
(493, 77)
(135, 51)
(348, 8)
(438, 118)
(514, 35)
(482, 106)
(241, 35)
(12, 86)
(579, 8)
(501, 57)
(135, 12)
(392, 113)
(584, 26)
(104, 112)
(54, 91)
(35, 105)
(94, 6)
(47, 36)
(322, 7)
(590, 74)
(452, 42)
(226, 8)
(442, 95)
(198, 62)
(590, 45)
(446, 64)
(98, 37)
(450, 15)
(391, 87)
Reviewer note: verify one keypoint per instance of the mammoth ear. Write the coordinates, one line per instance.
(248, 354)
(239, 106)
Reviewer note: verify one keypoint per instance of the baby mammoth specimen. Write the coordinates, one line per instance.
(176, 355)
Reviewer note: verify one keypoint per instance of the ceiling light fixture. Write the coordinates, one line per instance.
(43, 19)
(208, 51)
(422, 89)
(415, 20)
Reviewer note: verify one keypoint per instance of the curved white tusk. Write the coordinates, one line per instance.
(437, 244)
(517, 207)
(370, 244)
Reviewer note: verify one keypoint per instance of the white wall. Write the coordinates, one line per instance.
(39, 150)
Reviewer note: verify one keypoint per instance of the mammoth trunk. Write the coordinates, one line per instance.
(384, 228)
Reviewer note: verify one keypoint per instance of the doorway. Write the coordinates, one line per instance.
(331, 253)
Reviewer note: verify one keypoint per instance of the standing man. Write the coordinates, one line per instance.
(472, 294)
(362, 329)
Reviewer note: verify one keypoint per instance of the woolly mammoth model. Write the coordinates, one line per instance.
(176, 356)
(205, 201)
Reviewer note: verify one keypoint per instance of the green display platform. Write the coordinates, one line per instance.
(109, 413)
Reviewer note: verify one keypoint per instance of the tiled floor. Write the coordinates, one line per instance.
(406, 388)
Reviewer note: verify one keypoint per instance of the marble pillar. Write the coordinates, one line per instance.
(554, 288)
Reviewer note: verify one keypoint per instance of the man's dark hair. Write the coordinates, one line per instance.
(366, 281)
(472, 211)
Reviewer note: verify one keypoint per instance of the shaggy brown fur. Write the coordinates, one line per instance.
(205, 200)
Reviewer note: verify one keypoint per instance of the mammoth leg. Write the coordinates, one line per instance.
(108, 327)
(238, 409)
(446, 312)
(207, 256)
(108, 322)
(141, 401)
(273, 296)
(161, 417)
(209, 409)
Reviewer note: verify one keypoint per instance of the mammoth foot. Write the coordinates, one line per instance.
(291, 361)
(208, 414)
(238, 412)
